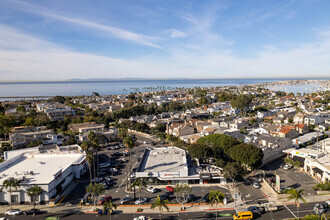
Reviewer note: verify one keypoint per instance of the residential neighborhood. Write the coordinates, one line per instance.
(228, 140)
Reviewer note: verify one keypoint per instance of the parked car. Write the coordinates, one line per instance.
(256, 185)
(104, 165)
(164, 196)
(151, 189)
(113, 170)
(255, 210)
(143, 200)
(104, 199)
(126, 199)
(170, 188)
(190, 198)
(141, 217)
(116, 154)
(205, 197)
(13, 212)
(327, 202)
(287, 166)
(102, 173)
(32, 212)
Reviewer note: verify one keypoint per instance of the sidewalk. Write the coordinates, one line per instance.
(173, 208)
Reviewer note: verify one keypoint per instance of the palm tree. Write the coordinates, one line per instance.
(10, 183)
(139, 182)
(85, 146)
(297, 195)
(110, 206)
(95, 145)
(160, 203)
(90, 160)
(129, 142)
(215, 197)
(122, 133)
(34, 192)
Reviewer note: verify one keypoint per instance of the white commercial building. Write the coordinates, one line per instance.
(169, 165)
(53, 168)
(315, 162)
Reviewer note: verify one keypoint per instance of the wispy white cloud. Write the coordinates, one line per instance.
(107, 29)
(174, 33)
(26, 57)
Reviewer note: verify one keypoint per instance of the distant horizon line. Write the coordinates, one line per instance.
(137, 78)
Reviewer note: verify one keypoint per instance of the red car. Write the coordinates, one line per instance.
(104, 199)
(170, 188)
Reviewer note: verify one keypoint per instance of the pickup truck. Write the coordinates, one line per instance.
(270, 207)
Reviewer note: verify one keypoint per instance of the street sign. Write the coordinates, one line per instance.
(278, 183)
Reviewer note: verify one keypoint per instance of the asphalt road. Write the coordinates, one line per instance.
(288, 211)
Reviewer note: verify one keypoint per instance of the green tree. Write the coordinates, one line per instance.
(215, 198)
(247, 154)
(11, 184)
(297, 195)
(122, 133)
(20, 109)
(160, 204)
(34, 192)
(200, 151)
(232, 171)
(129, 143)
(109, 206)
(182, 192)
(139, 182)
(241, 102)
(95, 190)
(225, 142)
(59, 99)
(243, 130)
(131, 97)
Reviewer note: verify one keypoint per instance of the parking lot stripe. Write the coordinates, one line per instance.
(290, 211)
(125, 179)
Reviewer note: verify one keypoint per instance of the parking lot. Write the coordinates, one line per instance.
(292, 177)
(118, 179)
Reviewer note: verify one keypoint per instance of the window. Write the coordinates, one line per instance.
(14, 198)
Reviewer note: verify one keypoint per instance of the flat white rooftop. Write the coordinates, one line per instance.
(170, 159)
(40, 166)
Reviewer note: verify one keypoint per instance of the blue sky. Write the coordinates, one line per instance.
(60, 39)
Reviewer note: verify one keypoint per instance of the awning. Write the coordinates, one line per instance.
(317, 170)
(300, 159)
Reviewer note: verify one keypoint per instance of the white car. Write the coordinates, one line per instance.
(143, 200)
(13, 212)
(287, 166)
(151, 189)
(328, 202)
(256, 185)
(113, 170)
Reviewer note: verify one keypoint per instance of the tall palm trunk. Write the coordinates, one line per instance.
(130, 167)
(97, 162)
(139, 196)
(94, 168)
(90, 173)
(297, 211)
(10, 192)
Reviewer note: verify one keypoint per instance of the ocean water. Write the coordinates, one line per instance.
(76, 88)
